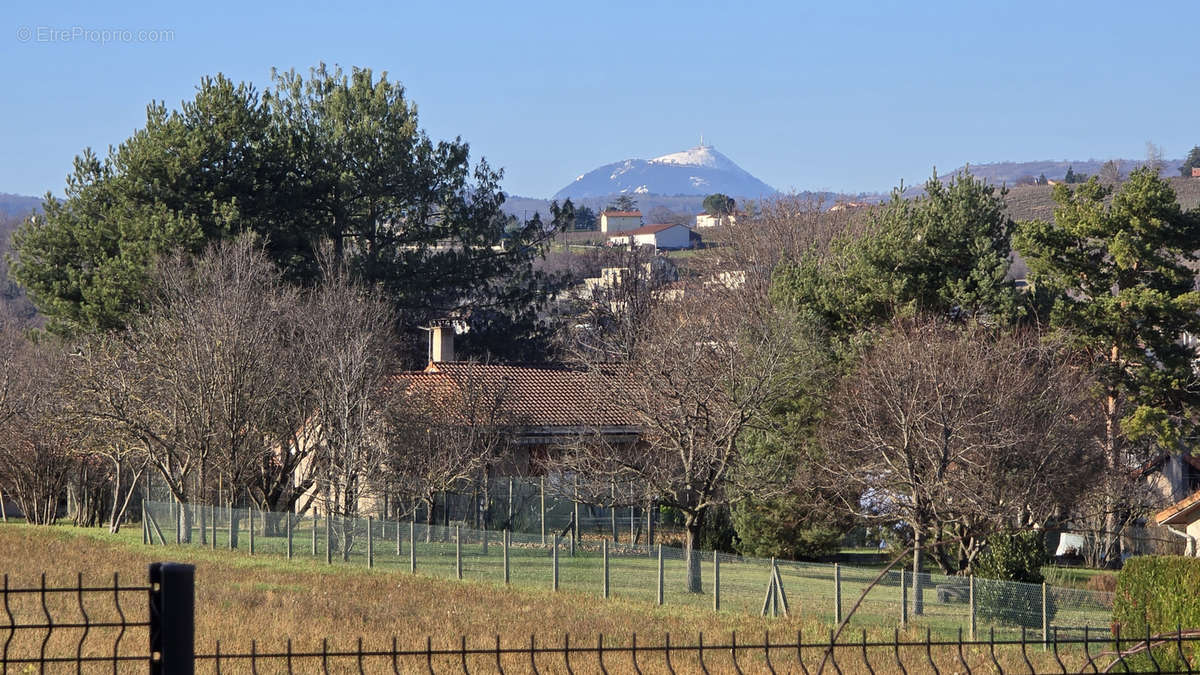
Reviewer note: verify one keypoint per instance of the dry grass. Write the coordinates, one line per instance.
(240, 598)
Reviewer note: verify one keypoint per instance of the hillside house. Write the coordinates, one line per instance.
(1196, 172)
(661, 236)
(706, 220)
(620, 221)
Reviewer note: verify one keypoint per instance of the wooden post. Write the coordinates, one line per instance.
(316, 520)
(458, 552)
(370, 542)
(716, 581)
(542, 492)
(1045, 617)
(250, 517)
(971, 606)
(904, 598)
(412, 546)
(604, 556)
(288, 515)
(837, 593)
(507, 540)
(554, 565)
(660, 574)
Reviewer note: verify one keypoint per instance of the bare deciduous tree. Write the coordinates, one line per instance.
(695, 372)
(958, 431)
(353, 328)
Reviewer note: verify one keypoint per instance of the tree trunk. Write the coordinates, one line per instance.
(1111, 526)
(918, 603)
(430, 504)
(694, 523)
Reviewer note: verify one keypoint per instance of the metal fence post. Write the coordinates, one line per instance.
(288, 515)
(458, 551)
(554, 565)
(172, 619)
(212, 517)
(399, 549)
(660, 574)
(612, 511)
(604, 556)
(370, 542)
(837, 593)
(316, 522)
(1045, 617)
(716, 581)
(145, 525)
(507, 538)
(971, 604)
(328, 537)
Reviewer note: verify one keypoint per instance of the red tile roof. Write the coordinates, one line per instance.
(1181, 512)
(533, 396)
(648, 229)
(623, 214)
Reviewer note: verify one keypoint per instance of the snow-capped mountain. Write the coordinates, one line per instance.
(701, 170)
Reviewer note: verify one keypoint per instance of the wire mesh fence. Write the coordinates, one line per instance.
(652, 574)
(95, 626)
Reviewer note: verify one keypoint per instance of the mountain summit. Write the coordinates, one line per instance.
(702, 170)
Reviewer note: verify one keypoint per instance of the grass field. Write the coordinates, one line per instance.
(633, 575)
(270, 600)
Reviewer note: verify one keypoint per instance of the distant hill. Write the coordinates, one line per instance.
(18, 206)
(700, 171)
(1012, 173)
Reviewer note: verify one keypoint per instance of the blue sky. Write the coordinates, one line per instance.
(831, 95)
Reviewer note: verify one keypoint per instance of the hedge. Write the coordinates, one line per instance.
(1161, 593)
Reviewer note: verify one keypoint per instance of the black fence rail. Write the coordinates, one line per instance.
(1167, 653)
(102, 627)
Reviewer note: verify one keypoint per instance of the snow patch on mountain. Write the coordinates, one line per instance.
(701, 170)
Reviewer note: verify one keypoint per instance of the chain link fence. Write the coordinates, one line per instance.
(636, 571)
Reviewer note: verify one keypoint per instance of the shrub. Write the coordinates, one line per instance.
(1010, 591)
(1158, 594)
(773, 528)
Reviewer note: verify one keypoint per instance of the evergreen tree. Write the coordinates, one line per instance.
(946, 253)
(1123, 294)
(1191, 162)
(332, 157)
